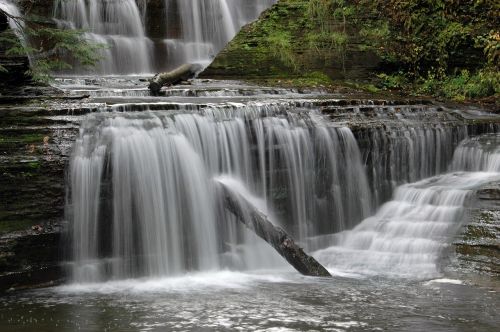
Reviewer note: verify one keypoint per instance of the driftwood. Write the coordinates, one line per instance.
(275, 236)
(172, 77)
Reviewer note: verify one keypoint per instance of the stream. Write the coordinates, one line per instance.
(142, 201)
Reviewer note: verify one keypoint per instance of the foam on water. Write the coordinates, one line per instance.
(444, 281)
(191, 282)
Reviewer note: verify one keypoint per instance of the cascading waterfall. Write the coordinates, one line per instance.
(478, 154)
(415, 153)
(190, 31)
(143, 197)
(407, 235)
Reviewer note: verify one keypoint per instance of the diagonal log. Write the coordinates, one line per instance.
(179, 74)
(275, 236)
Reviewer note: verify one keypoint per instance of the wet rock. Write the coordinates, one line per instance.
(478, 246)
(30, 258)
(35, 145)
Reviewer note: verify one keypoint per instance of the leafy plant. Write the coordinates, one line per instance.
(49, 49)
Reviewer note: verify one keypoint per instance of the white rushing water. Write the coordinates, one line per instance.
(407, 154)
(143, 200)
(407, 234)
(11, 8)
(116, 24)
(189, 31)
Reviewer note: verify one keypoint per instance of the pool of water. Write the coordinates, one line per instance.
(255, 301)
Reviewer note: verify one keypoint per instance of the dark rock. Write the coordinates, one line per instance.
(30, 258)
(478, 246)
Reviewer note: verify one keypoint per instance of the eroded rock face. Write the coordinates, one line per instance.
(35, 144)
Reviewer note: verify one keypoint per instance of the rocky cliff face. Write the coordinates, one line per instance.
(277, 46)
(36, 136)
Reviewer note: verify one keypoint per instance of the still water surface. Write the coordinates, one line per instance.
(255, 301)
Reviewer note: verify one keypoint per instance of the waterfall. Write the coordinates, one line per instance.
(407, 234)
(17, 26)
(407, 154)
(140, 40)
(114, 23)
(11, 9)
(481, 153)
(142, 199)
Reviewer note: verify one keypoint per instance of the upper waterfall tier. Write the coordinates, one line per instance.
(152, 36)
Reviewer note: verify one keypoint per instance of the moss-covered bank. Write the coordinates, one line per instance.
(280, 46)
(448, 50)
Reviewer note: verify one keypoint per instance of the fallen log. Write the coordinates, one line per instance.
(275, 236)
(179, 74)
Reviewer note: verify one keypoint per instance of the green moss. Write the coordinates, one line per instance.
(22, 138)
(288, 42)
(15, 225)
(315, 78)
(34, 165)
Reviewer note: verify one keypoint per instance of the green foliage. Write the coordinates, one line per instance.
(491, 47)
(314, 78)
(464, 85)
(395, 81)
(446, 48)
(50, 49)
(331, 40)
(327, 22)
(64, 47)
(430, 35)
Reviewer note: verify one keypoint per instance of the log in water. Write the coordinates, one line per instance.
(274, 235)
(179, 74)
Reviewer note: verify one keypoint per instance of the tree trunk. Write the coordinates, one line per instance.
(172, 77)
(275, 236)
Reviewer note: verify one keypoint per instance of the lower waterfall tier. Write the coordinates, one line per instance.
(143, 195)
